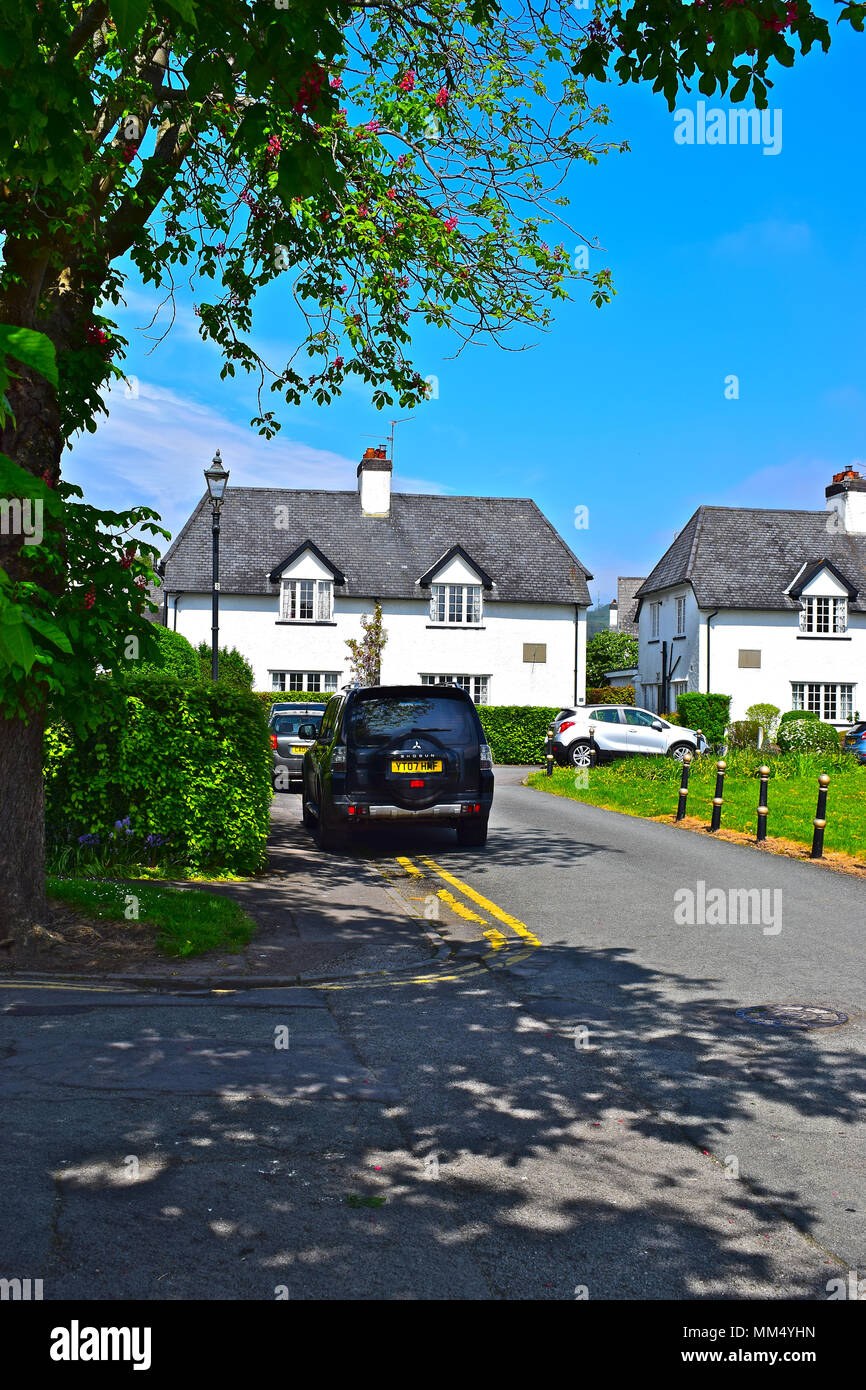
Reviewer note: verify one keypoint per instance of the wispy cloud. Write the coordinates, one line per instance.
(153, 448)
(770, 237)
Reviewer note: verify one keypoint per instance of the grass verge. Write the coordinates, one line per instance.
(188, 922)
(648, 787)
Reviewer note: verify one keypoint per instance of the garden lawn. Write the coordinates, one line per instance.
(648, 786)
(189, 922)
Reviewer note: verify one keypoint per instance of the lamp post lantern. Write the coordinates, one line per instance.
(216, 477)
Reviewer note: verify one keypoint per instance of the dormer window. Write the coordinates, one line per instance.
(824, 617)
(306, 600)
(455, 603)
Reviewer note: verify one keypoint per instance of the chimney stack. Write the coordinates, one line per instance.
(374, 482)
(846, 496)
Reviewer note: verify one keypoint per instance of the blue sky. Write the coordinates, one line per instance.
(727, 261)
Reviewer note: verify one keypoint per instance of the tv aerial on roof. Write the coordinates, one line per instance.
(390, 437)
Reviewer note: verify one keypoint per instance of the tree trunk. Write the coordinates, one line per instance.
(32, 436)
(22, 825)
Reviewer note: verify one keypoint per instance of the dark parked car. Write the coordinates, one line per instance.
(399, 752)
(855, 741)
(293, 729)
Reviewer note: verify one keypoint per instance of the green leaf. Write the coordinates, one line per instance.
(129, 16)
(185, 8)
(31, 348)
(49, 630)
(16, 645)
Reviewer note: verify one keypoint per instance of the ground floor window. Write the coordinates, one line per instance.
(477, 686)
(678, 688)
(832, 703)
(316, 681)
(651, 698)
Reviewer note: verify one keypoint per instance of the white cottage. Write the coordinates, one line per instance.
(477, 590)
(765, 606)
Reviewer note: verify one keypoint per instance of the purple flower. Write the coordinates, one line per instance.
(154, 841)
(88, 840)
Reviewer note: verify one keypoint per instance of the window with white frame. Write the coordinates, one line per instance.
(832, 703)
(477, 686)
(307, 600)
(826, 617)
(681, 617)
(655, 611)
(315, 681)
(455, 603)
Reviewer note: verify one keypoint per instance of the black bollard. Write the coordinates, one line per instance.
(764, 773)
(593, 747)
(820, 821)
(717, 799)
(549, 751)
(684, 785)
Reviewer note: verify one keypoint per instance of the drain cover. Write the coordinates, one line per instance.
(792, 1016)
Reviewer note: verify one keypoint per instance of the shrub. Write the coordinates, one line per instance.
(709, 713)
(671, 718)
(233, 668)
(189, 767)
(176, 655)
(516, 733)
(798, 714)
(743, 733)
(267, 698)
(808, 736)
(767, 719)
(611, 695)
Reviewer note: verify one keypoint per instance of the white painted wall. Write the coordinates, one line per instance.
(787, 655)
(414, 646)
(682, 651)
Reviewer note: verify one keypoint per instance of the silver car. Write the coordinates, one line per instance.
(617, 731)
(293, 729)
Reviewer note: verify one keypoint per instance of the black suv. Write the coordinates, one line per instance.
(399, 752)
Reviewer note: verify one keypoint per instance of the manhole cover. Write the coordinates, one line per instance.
(792, 1016)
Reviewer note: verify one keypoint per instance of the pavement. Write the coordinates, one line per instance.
(510, 1074)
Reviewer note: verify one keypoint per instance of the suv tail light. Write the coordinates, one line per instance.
(486, 757)
(569, 724)
(338, 756)
(273, 740)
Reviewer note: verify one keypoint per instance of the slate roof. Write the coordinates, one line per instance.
(742, 557)
(380, 557)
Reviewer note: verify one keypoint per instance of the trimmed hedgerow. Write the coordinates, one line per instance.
(516, 733)
(611, 695)
(709, 713)
(190, 767)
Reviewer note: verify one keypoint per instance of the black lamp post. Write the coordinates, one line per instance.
(216, 478)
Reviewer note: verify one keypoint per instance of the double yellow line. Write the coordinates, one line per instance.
(493, 934)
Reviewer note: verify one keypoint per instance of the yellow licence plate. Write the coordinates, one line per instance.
(300, 749)
(415, 767)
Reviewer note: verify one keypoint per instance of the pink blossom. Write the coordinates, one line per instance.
(402, 160)
(442, 96)
(338, 363)
(373, 126)
(336, 83)
(407, 82)
(451, 224)
(392, 194)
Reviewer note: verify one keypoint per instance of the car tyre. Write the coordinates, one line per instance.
(580, 753)
(677, 751)
(472, 834)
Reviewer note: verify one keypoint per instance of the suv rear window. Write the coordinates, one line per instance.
(378, 722)
(289, 724)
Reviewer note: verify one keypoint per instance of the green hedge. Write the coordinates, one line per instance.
(190, 766)
(517, 733)
(291, 697)
(798, 714)
(611, 695)
(709, 713)
(744, 733)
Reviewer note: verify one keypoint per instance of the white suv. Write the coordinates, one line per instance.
(618, 730)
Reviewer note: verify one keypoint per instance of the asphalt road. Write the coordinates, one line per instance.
(583, 1117)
